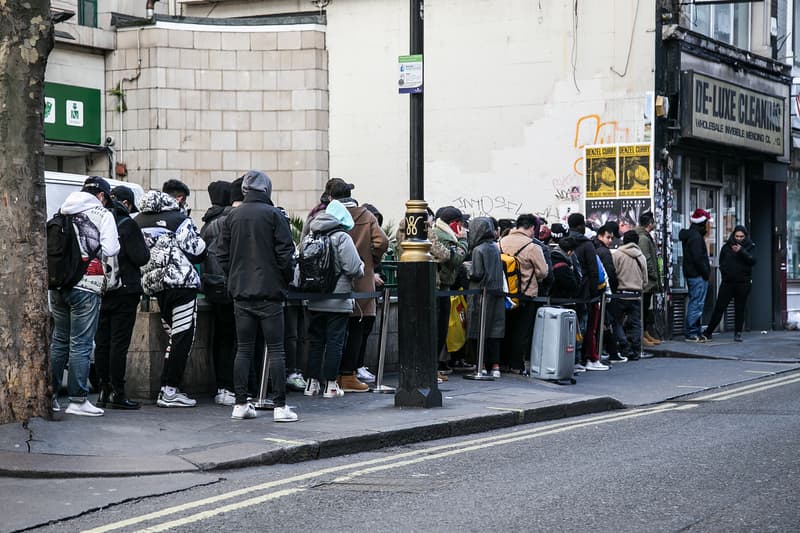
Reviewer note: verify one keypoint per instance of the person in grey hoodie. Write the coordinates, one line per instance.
(328, 317)
(256, 251)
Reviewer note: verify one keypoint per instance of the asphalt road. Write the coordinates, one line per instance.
(723, 461)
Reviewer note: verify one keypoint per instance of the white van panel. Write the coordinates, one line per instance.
(58, 185)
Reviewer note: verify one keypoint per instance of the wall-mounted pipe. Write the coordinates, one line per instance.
(150, 9)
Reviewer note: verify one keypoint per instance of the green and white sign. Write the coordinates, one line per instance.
(411, 78)
(71, 113)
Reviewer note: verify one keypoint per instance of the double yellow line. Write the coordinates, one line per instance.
(350, 471)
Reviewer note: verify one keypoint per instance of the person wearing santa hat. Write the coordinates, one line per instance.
(696, 268)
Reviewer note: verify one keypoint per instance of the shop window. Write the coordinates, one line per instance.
(728, 23)
(793, 226)
(87, 13)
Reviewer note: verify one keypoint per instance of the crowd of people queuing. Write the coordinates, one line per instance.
(244, 262)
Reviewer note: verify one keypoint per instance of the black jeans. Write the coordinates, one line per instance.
(519, 334)
(223, 344)
(113, 338)
(295, 338)
(442, 325)
(266, 316)
(739, 291)
(178, 316)
(358, 330)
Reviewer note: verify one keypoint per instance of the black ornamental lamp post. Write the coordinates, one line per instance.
(416, 274)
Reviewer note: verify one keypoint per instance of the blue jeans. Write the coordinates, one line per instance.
(694, 306)
(75, 313)
(326, 337)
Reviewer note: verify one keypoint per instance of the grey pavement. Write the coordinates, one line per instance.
(155, 441)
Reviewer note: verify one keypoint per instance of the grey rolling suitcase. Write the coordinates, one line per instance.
(553, 347)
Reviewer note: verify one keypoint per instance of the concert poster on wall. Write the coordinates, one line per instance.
(601, 171)
(634, 170)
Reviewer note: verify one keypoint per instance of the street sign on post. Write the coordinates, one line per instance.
(411, 74)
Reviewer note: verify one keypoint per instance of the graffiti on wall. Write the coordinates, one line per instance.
(497, 206)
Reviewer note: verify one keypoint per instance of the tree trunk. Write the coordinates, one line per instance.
(26, 38)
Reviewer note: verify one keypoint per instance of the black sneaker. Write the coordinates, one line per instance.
(738, 337)
(462, 365)
(617, 358)
(633, 355)
(444, 368)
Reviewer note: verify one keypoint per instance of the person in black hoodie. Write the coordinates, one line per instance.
(736, 266)
(696, 269)
(256, 251)
(118, 307)
(588, 313)
(212, 280)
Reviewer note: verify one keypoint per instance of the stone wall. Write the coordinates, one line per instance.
(211, 102)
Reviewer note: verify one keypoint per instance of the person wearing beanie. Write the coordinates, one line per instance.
(256, 251)
(557, 231)
(170, 276)
(588, 313)
(736, 262)
(214, 286)
(76, 309)
(631, 268)
(327, 329)
(696, 269)
(371, 243)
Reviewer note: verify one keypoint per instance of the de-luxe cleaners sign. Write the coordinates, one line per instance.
(719, 111)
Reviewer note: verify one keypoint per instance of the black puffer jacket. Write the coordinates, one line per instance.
(133, 253)
(255, 249)
(608, 263)
(695, 253)
(737, 267)
(565, 282)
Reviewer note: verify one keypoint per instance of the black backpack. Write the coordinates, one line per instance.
(317, 263)
(65, 264)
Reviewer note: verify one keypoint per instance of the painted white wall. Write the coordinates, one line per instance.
(73, 67)
(505, 122)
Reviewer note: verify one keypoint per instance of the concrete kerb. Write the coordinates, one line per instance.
(243, 455)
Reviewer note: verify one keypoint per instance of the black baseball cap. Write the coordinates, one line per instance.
(96, 184)
(122, 193)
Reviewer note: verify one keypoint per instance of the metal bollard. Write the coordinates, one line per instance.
(382, 336)
(262, 402)
(478, 376)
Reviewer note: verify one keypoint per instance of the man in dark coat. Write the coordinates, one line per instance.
(118, 307)
(255, 249)
(696, 269)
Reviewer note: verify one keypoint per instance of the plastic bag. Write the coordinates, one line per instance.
(457, 325)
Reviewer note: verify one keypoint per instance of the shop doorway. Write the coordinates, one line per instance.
(761, 216)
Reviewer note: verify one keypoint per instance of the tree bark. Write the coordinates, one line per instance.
(26, 38)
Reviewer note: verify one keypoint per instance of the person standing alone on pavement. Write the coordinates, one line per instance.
(76, 309)
(256, 251)
(736, 266)
(175, 246)
(696, 269)
(118, 310)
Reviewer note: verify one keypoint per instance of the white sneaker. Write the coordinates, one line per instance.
(364, 374)
(312, 387)
(332, 390)
(225, 397)
(595, 365)
(242, 411)
(84, 408)
(579, 368)
(56, 405)
(495, 373)
(284, 414)
(178, 399)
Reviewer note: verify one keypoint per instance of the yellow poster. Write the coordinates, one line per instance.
(634, 170)
(601, 172)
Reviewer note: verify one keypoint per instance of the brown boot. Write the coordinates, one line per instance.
(350, 383)
(652, 340)
(442, 377)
